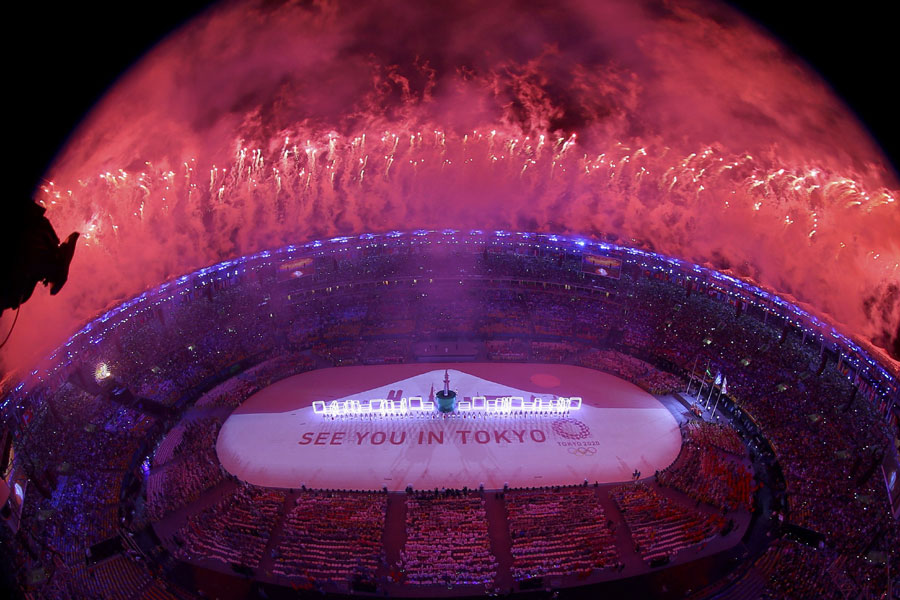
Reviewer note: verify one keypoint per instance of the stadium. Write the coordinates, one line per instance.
(472, 332)
(165, 490)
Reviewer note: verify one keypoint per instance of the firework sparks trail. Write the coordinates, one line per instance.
(316, 123)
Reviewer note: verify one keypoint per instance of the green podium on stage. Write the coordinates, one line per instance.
(446, 398)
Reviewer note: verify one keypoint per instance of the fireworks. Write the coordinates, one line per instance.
(312, 126)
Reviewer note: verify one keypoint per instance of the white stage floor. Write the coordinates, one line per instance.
(274, 439)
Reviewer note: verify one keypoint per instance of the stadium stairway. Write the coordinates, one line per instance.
(175, 520)
(740, 517)
(498, 533)
(749, 587)
(394, 530)
(624, 544)
(267, 562)
(125, 397)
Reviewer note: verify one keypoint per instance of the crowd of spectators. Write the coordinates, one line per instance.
(631, 369)
(117, 579)
(709, 475)
(384, 352)
(233, 531)
(558, 533)
(447, 540)
(552, 352)
(659, 527)
(827, 439)
(514, 350)
(76, 452)
(182, 482)
(794, 571)
(722, 436)
(166, 449)
(552, 315)
(122, 577)
(199, 436)
(233, 391)
(332, 537)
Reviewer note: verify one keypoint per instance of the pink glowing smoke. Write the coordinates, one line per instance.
(681, 127)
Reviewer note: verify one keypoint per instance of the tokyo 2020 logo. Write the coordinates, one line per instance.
(571, 429)
(583, 451)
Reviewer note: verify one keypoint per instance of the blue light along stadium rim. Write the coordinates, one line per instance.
(853, 353)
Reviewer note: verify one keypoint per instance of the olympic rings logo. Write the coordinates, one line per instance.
(571, 429)
(583, 451)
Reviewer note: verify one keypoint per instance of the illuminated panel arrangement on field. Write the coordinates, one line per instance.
(416, 406)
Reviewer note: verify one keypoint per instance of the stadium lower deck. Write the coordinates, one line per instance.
(529, 512)
(774, 487)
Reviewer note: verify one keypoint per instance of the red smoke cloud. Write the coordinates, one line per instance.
(679, 126)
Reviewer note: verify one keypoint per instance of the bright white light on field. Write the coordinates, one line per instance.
(101, 372)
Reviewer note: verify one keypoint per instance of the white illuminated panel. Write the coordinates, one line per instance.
(416, 405)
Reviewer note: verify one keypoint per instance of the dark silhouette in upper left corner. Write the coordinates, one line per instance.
(32, 254)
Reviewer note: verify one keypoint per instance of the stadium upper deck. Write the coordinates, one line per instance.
(380, 259)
